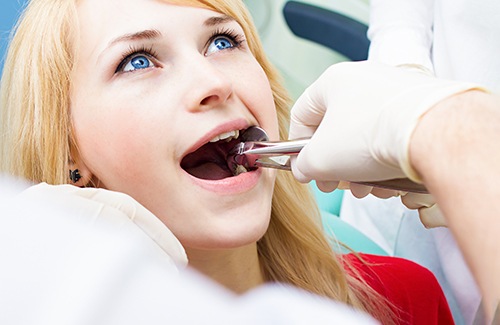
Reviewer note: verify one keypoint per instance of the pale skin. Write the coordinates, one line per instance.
(455, 149)
(154, 82)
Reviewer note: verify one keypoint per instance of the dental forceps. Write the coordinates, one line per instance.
(276, 154)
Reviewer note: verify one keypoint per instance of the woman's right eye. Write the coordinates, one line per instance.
(137, 61)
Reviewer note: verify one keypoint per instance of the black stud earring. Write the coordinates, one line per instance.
(74, 175)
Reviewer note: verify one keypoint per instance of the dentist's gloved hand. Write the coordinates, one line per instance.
(361, 116)
(428, 210)
(95, 206)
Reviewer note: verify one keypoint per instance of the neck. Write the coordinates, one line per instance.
(238, 269)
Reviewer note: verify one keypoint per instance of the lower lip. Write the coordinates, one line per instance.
(230, 185)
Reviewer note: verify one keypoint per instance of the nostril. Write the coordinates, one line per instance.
(210, 99)
(217, 93)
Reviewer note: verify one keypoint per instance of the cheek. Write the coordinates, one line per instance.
(259, 98)
(113, 144)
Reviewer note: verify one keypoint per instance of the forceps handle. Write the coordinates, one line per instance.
(275, 148)
(270, 153)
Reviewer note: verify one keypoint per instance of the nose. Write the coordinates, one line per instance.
(211, 84)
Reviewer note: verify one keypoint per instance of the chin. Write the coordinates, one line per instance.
(232, 234)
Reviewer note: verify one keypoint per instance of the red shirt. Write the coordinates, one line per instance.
(409, 286)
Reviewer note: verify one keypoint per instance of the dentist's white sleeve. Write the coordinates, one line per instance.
(400, 32)
(73, 256)
(82, 256)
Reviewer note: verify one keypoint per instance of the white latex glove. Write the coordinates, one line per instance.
(428, 210)
(83, 256)
(361, 116)
(99, 205)
(365, 113)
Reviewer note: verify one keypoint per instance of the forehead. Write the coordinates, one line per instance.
(104, 18)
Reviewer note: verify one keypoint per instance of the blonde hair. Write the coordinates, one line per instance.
(37, 140)
(34, 95)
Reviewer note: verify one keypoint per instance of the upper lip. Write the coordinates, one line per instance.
(218, 130)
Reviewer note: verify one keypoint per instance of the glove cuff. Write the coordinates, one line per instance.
(401, 115)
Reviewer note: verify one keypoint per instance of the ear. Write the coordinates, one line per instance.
(78, 173)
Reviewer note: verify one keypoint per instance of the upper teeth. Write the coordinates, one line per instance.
(228, 136)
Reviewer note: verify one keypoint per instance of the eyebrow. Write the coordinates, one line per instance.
(154, 33)
(218, 20)
(145, 34)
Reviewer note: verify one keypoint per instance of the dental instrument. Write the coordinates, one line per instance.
(256, 151)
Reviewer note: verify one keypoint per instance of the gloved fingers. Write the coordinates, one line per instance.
(306, 115)
(297, 173)
(324, 186)
(360, 191)
(310, 108)
(142, 217)
(327, 186)
(101, 200)
(432, 217)
(416, 200)
(428, 210)
(362, 138)
(383, 193)
(117, 200)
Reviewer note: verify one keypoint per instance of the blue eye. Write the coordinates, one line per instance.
(136, 62)
(220, 43)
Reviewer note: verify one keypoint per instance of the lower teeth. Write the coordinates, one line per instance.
(240, 169)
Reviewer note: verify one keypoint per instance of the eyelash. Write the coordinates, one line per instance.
(235, 37)
(133, 51)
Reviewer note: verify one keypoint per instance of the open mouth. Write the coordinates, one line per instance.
(210, 160)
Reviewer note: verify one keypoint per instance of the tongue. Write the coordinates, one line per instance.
(209, 170)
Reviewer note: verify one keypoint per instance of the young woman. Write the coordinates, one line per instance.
(146, 98)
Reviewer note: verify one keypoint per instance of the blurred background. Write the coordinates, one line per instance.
(8, 15)
(300, 61)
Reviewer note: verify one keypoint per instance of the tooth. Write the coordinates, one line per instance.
(228, 136)
(215, 139)
(240, 169)
(236, 134)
